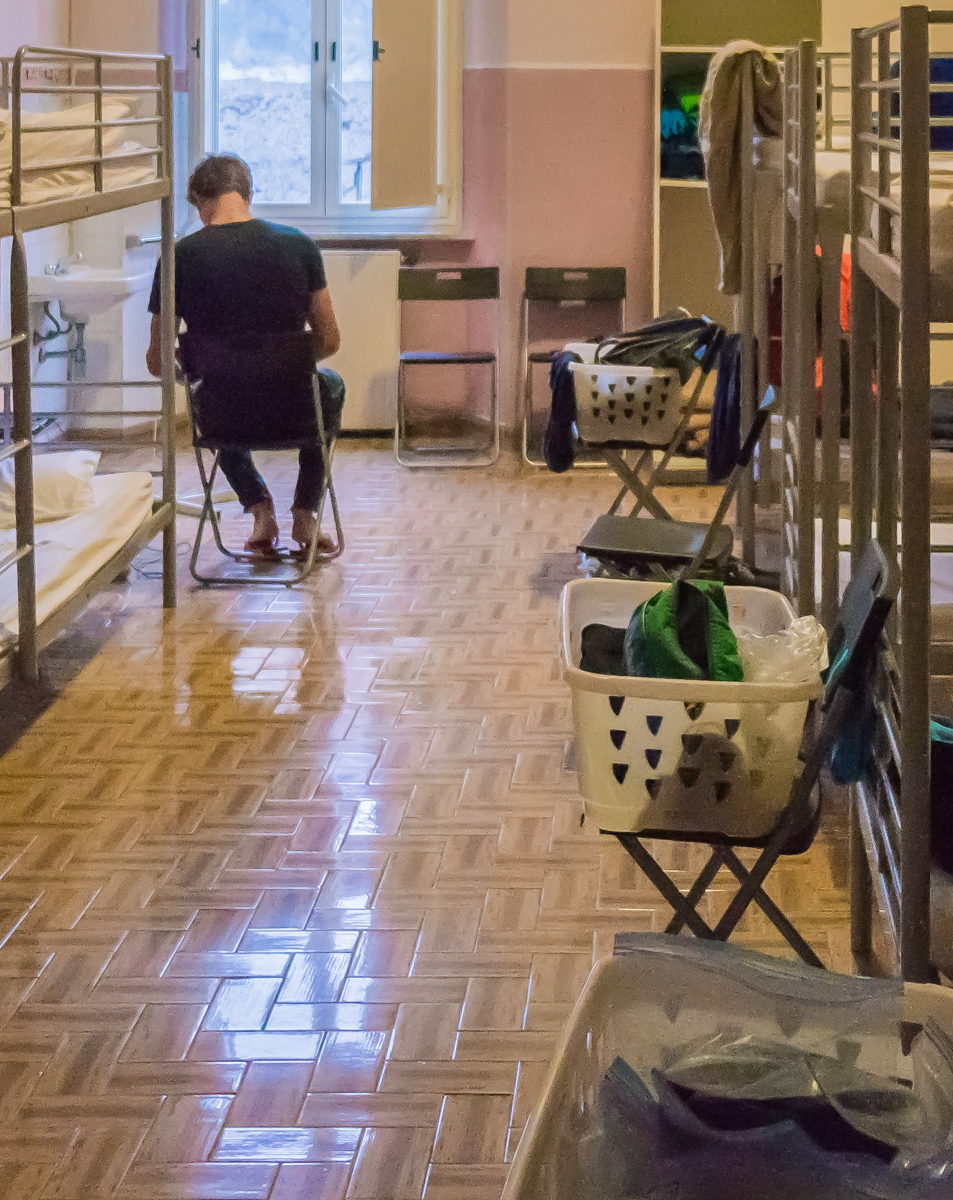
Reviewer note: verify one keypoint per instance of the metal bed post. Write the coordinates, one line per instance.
(789, 449)
(831, 237)
(888, 332)
(806, 341)
(915, 490)
(27, 650)
(862, 313)
(745, 317)
(861, 366)
(169, 326)
(765, 202)
(27, 661)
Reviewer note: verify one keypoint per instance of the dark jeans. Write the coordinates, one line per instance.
(239, 468)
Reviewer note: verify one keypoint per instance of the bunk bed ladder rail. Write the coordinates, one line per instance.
(890, 824)
(798, 303)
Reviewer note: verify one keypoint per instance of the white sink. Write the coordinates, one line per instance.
(85, 292)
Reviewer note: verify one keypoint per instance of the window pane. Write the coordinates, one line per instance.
(265, 55)
(357, 34)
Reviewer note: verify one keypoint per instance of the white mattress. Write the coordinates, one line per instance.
(833, 191)
(71, 182)
(70, 551)
(941, 565)
(49, 138)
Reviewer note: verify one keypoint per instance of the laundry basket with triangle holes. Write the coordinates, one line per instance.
(675, 755)
(631, 405)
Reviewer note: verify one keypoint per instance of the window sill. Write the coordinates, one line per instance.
(412, 246)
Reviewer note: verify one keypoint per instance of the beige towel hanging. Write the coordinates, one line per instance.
(723, 141)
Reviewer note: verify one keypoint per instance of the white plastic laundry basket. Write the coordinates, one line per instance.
(672, 991)
(626, 404)
(673, 754)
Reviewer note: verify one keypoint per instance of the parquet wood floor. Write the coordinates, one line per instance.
(294, 897)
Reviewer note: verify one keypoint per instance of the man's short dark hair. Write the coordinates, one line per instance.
(217, 175)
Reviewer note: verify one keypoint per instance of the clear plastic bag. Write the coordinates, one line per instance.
(739, 1116)
(797, 654)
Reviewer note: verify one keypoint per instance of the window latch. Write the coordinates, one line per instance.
(377, 52)
(197, 48)
(317, 51)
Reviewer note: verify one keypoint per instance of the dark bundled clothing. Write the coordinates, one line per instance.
(724, 432)
(559, 445)
(941, 417)
(603, 650)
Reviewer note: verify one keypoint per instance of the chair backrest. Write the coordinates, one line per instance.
(852, 649)
(560, 284)
(251, 390)
(449, 283)
(868, 599)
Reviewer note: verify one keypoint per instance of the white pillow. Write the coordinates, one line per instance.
(61, 485)
(39, 148)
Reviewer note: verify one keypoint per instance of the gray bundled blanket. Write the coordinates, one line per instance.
(723, 140)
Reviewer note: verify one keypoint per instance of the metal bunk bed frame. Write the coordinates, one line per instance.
(817, 125)
(890, 856)
(21, 218)
(805, 493)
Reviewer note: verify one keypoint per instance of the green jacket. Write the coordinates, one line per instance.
(683, 632)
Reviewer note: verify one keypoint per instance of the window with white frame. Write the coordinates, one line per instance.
(347, 111)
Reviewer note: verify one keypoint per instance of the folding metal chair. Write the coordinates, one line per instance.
(564, 297)
(853, 643)
(438, 284)
(237, 388)
(649, 545)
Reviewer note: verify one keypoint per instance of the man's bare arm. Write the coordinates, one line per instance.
(154, 353)
(324, 325)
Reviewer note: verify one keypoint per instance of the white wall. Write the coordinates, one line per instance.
(839, 17)
(33, 22)
(538, 33)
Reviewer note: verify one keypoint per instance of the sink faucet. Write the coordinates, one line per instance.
(62, 267)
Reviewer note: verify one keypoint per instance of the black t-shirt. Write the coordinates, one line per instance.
(245, 277)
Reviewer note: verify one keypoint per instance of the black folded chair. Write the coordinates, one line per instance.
(853, 644)
(662, 546)
(260, 393)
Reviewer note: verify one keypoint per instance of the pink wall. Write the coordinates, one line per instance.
(557, 172)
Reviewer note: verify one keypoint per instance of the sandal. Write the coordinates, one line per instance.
(325, 546)
(262, 547)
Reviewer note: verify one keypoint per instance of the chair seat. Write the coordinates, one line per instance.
(210, 443)
(799, 842)
(439, 358)
(632, 540)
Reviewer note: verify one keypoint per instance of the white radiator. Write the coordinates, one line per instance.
(363, 285)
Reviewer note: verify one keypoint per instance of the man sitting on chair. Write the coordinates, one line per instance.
(242, 276)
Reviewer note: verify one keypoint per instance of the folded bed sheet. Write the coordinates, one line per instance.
(70, 551)
(833, 191)
(45, 144)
